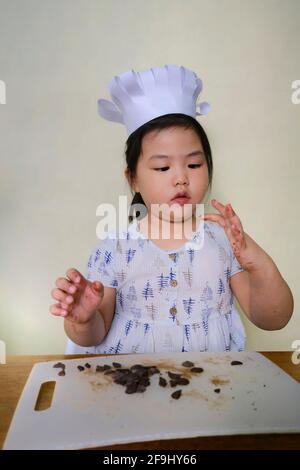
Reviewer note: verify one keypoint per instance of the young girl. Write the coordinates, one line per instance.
(157, 293)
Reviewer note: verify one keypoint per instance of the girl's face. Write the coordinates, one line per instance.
(172, 160)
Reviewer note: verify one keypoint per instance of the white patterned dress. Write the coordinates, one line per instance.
(168, 300)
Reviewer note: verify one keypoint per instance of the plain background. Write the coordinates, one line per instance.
(60, 160)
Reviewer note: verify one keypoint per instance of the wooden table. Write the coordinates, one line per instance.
(14, 374)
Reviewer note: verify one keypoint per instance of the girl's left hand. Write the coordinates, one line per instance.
(247, 252)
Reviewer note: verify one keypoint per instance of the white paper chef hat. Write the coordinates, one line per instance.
(139, 97)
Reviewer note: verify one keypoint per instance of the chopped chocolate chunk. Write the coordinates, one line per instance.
(62, 372)
(162, 382)
(236, 363)
(109, 372)
(80, 368)
(59, 364)
(106, 367)
(188, 364)
(173, 383)
(132, 387)
(174, 376)
(100, 368)
(153, 370)
(197, 369)
(116, 365)
(183, 381)
(217, 390)
(87, 365)
(176, 394)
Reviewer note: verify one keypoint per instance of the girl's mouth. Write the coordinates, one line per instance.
(181, 200)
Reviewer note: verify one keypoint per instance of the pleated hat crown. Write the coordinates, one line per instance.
(139, 97)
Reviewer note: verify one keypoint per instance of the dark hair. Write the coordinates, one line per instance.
(134, 147)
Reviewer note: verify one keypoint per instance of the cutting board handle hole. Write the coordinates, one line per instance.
(44, 399)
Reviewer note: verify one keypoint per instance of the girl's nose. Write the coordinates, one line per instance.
(181, 178)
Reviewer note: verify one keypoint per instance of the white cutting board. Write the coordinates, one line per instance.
(89, 410)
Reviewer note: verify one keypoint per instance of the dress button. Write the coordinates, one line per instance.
(173, 283)
(173, 310)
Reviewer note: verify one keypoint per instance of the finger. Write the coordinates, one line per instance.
(98, 287)
(215, 218)
(220, 207)
(74, 275)
(60, 295)
(57, 311)
(65, 285)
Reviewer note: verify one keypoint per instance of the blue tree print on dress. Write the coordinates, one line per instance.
(227, 273)
(108, 257)
(148, 291)
(187, 332)
(97, 255)
(172, 275)
(121, 298)
(90, 262)
(183, 349)
(128, 326)
(188, 305)
(146, 328)
(162, 281)
(131, 296)
(130, 255)
(117, 348)
(207, 294)
(191, 253)
(221, 289)
(115, 283)
(205, 324)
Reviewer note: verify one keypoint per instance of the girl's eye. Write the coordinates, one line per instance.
(166, 167)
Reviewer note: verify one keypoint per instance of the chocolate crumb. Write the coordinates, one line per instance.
(236, 363)
(87, 365)
(106, 367)
(217, 390)
(81, 368)
(176, 394)
(62, 372)
(100, 368)
(188, 364)
(197, 369)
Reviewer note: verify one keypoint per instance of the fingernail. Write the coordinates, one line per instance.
(72, 289)
(77, 279)
(69, 299)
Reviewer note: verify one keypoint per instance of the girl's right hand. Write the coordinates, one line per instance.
(78, 298)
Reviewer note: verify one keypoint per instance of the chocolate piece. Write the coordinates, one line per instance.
(197, 369)
(188, 364)
(131, 388)
(162, 382)
(87, 365)
(116, 365)
(176, 394)
(183, 381)
(153, 370)
(80, 368)
(174, 376)
(100, 368)
(60, 364)
(236, 363)
(106, 367)
(217, 390)
(62, 372)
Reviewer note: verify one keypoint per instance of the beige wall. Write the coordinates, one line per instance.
(59, 160)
